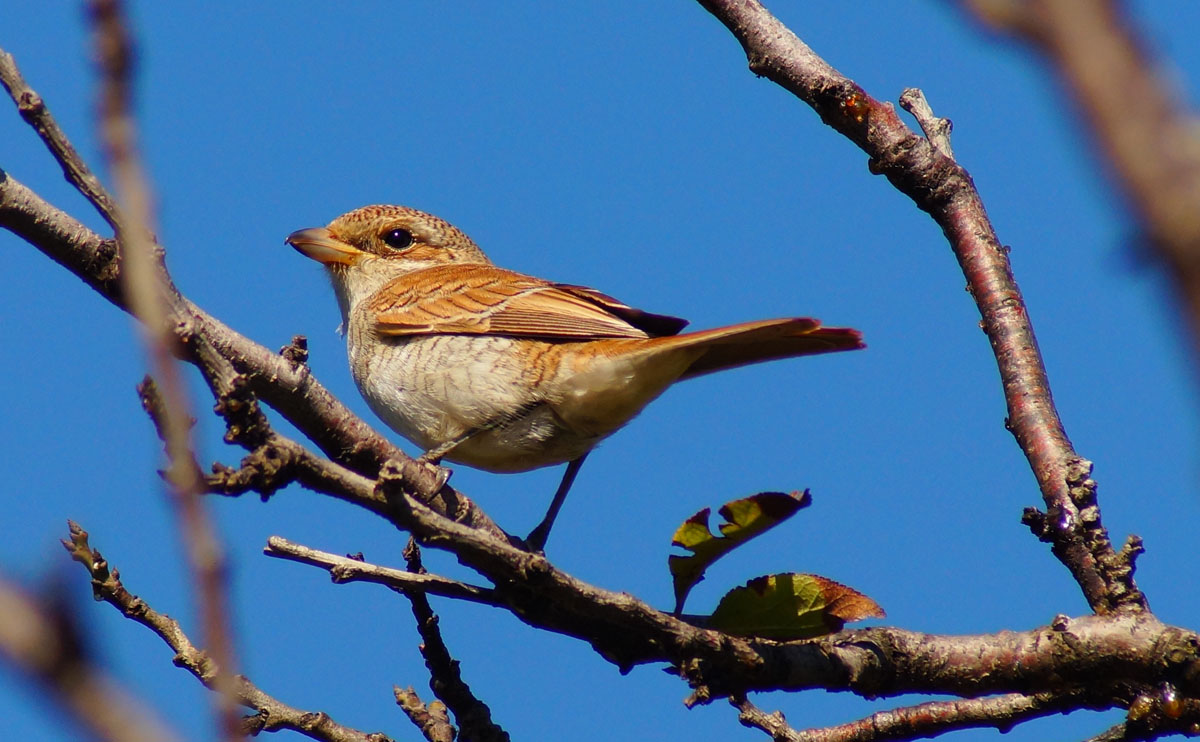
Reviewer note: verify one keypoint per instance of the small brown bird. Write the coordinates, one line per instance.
(503, 371)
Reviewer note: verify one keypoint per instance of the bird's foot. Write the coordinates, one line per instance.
(535, 542)
(434, 455)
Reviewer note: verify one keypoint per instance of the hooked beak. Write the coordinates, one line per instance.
(317, 243)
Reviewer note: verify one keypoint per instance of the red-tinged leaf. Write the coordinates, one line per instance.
(744, 519)
(791, 606)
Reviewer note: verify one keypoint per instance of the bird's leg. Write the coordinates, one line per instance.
(435, 454)
(536, 540)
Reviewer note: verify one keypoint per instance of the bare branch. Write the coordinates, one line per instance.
(1124, 647)
(149, 292)
(272, 715)
(33, 109)
(433, 719)
(348, 569)
(445, 679)
(923, 720)
(941, 187)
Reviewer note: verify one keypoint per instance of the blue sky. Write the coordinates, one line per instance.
(631, 150)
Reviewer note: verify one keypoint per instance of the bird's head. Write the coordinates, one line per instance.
(366, 248)
(396, 234)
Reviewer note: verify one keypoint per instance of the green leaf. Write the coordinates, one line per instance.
(791, 606)
(744, 519)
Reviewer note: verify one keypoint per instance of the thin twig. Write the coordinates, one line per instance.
(345, 569)
(937, 130)
(445, 676)
(33, 109)
(941, 187)
(272, 715)
(922, 720)
(150, 292)
(41, 640)
(432, 719)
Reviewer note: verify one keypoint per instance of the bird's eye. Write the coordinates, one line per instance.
(397, 239)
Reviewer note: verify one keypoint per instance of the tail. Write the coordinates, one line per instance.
(764, 340)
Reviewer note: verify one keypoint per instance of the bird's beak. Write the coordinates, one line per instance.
(318, 244)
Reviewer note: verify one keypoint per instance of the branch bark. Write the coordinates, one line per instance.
(922, 720)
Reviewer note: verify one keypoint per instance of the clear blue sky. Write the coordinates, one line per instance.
(628, 149)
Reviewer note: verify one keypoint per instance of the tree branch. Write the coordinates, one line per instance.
(1126, 647)
(445, 678)
(33, 110)
(354, 569)
(272, 715)
(940, 186)
(923, 720)
(150, 292)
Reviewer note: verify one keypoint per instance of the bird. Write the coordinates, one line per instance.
(502, 371)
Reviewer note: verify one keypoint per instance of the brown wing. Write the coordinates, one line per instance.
(484, 299)
(654, 325)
